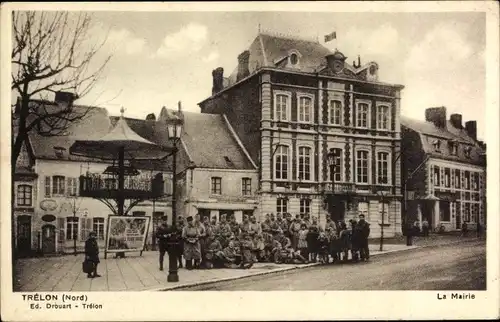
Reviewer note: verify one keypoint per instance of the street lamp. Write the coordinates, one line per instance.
(382, 194)
(331, 163)
(174, 129)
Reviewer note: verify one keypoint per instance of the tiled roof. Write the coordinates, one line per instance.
(429, 133)
(93, 126)
(210, 143)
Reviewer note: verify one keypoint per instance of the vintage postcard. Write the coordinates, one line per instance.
(249, 161)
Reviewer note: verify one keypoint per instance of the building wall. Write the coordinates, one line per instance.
(469, 205)
(64, 206)
(241, 106)
(196, 192)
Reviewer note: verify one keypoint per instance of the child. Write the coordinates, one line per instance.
(302, 244)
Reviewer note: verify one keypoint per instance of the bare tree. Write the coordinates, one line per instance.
(52, 51)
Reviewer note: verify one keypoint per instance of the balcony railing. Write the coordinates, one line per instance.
(340, 187)
(101, 186)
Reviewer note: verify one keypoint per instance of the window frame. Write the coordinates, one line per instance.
(331, 112)
(275, 157)
(72, 222)
(245, 185)
(213, 180)
(288, 114)
(55, 186)
(281, 203)
(305, 204)
(368, 113)
(388, 120)
(96, 227)
(311, 107)
(339, 165)
(24, 193)
(385, 204)
(388, 162)
(368, 167)
(311, 160)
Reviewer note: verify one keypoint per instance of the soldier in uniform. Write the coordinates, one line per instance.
(313, 231)
(235, 227)
(255, 228)
(214, 256)
(224, 231)
(192, 248)
(244, 227)
(162, 234)
(266, 224)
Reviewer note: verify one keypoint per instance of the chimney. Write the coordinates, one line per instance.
(65, 97)
(218, 80)
(471, 129)
(151, 117)
(243, 61)
(436, 115)
(456, 120)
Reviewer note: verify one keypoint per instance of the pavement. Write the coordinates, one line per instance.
(141, 273)
(456, 266)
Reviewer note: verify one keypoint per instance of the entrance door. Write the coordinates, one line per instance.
(24, 235)
(336, 208)
(48, 239)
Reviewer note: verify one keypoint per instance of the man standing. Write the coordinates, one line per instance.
(92, 254)
(162, 234)
(192, 250)
(363, 231)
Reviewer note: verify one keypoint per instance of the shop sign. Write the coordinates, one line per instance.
(48, 205)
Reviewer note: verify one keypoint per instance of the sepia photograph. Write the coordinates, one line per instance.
(175, 152)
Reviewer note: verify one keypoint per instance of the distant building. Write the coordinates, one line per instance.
(444, 166)
(293, 101)
(215, 172)
(49, 213)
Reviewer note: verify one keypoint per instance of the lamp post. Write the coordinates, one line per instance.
(331, 163)
(382, 195)
(174, 128)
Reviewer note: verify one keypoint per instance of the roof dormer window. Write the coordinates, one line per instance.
(437, 145)
(294, 58)
(467, 151)
(453, 147)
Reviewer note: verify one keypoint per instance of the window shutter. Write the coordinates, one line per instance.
(68, 192)
(83, 229)
(47, 187)
(60, 229)
(89, 227)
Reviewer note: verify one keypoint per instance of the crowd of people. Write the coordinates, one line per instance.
(281, 239)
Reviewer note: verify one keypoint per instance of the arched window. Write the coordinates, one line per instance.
(281, 163)
(304, 163)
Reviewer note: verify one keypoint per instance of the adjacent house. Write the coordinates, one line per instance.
(292, 102)
(215, 173)
(445, 166)
(50, 215)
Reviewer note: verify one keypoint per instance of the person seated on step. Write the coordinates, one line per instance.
(259, 248)
(214, 257)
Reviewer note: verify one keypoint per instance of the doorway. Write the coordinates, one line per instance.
(24, 235)
(336, 208)
(48, 239)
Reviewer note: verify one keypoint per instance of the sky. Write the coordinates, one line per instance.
(160, 58)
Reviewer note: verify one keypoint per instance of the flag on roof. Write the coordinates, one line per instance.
(331, 36)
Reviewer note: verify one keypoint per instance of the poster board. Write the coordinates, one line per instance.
(126, 233)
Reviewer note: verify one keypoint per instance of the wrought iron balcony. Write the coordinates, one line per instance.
(136, 187)
(340, 188)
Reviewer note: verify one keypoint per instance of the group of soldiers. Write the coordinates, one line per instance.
(282, 239)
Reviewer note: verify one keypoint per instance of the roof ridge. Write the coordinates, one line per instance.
(238, 141)
(290, 37)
